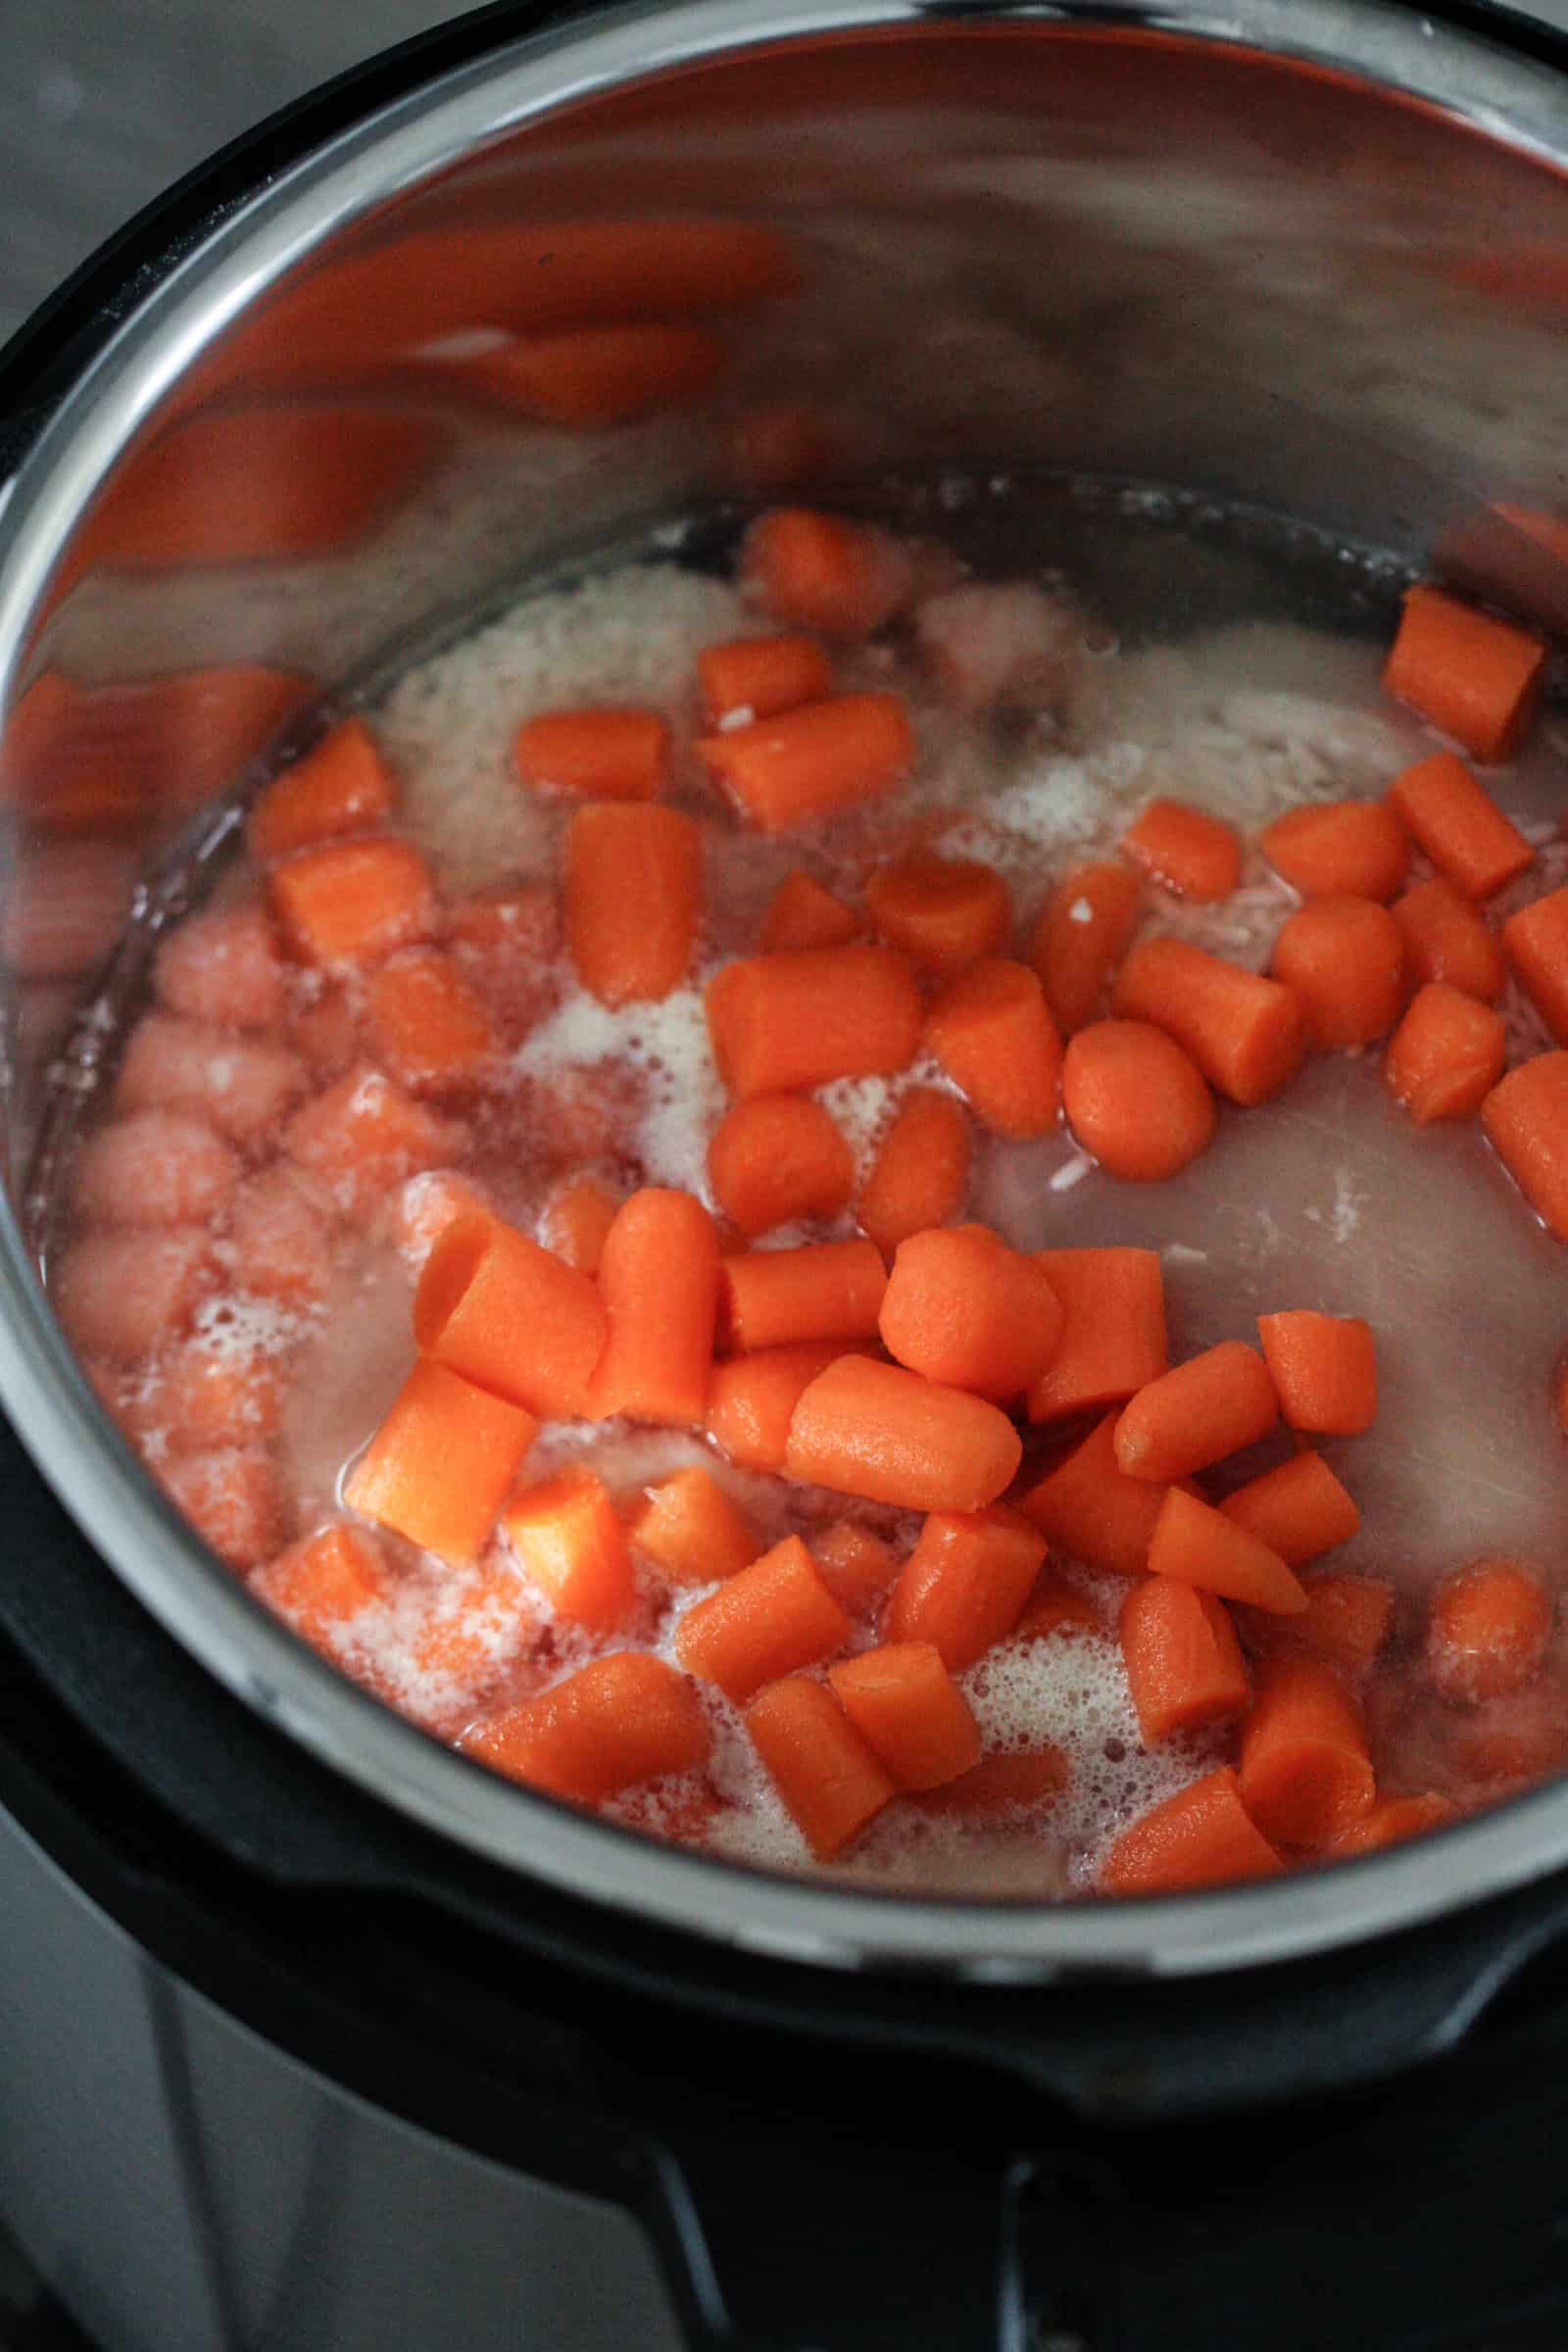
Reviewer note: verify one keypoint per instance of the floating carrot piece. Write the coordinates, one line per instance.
(1446, 1056)
(429, 1027)
(1007, 1782)
(781, 1024)
(1054, 1607)
(1349, 1618)
(156, 1167)
(1184, 1663)
(1487, 1630)
(1113, 1337)
(1136, 1100)
(1344, 960)
(1394, 1819)
(878, 1431)
(1446, 939)
(633, 895)
(232, 1496)
(752, 677)
(765, 1622)
(442, 1463)
(1535, 944)
(1324, 1368)
(752, 1399)
(1340, 850)
(856, 1565)
(1248, 1035)
(576, 1220)
(778, 1158)
(1459, 825)
(692, 1532)
(943, 913)
(963, 1308)
(1092, 1510)
(830, 1783)
(907, 1707)
(1525, 1119)
(281, 1237)
(624, 1719)
(240, 1084)
(825, 1291)
(812, 762)
(1080, 936)
(1298, 1510)
(1305, 1774)
(804, 912)
(920, 1175)
(817, 571)
(1200, 1545)
(1201, 1837)
(963, 1587)
(117, 1294)
(660, 1280)
(592, 377)
(212, 1392)
(1186, 849)
(991, 1031)
(1476, 678)
(321, 1584)
(223, 967)
(567, 1541)
(509, 1316)
(340, 786)
(352, 902)
(1197, 1414)
(363, 1136)
(603, 754)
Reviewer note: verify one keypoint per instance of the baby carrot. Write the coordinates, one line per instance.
(352, 902)
(1535, 944)
(1186, 849)
(812, 762)
(1392, 1820)
(783, 1023)
(1200, 1545)
(991, 1031)
(442, 1463)
(633, 895)
(963, 1308)
(1446, 939)
(766, 1621)
(1079, 938)
(692, 1532)
(1525, 1119)
(829, 1780)
(1488, 1631)
(1344, 960)
(1201, 1837)
(509, 1316)
(1459, 825)
(363, 1136)
(1305, 1774)
(320, 1583)
(1006, 1783)
(804, 912)
(601, 755)
(1324, 1368)
(1057, 1607)
(567, 1541)
(153, 1167)
(1184, 1663)
(1197, 1414)
(964, 1585)
(1248, 1035)
(1298, 1510)
(854, 1564)
(624, 1719)
(576, 1220)
(920, 1174)
(1346, 1618)
(752, 1399)
(339, 786)
(1135, 1099)
(877, 1431)
(825, 1291)
(1446, 1056)
(907, 1707)
(1340, 850)
(775, 1159)
(232, 1496)
(1114, 1335)
(1475, 678)
(1092, 1510)
(660, 1280)
(943, 913)
(431, 1029)
(752, 677)
(222, 965)
(817, 571)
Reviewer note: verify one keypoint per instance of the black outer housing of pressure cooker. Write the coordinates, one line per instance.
(1366, 2147)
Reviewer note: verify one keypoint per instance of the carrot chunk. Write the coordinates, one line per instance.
(591, 377)
(804, 912)
(1200, 1545)
(624, 1719)
(778, 1158)
(214, 1393)
(1201, 1837)
(1186, 849)
(1114, 1335)
(943, 913)
(1324, 1369)
(352, 902)
(991, 1031)
(1535, 944)
(601, 755)
(817, 571)
(762, 1623)
(920, 1175)
(280, 1239)
(156, 1167)
(813, 762)
(363, 1136)
(1344, 960)
(1340, 850)
(1305, 1774)
(243, 1085)
(1197, 1414)
(1092, 1510)
(566, 1538)
(856, 1565)
(509, 1316)
(783, 1023)
(1459, 825)
(1446, 1056)
(880, 1432)
(1476, 678)
(1054, 1607)
(660, 1281)
(830, 1781)
(752, 1399)
(232, 1497)
(1080, 936)
(753, 677)
(1184, 1663)
(1525, 1119)
(907, 1707)
(340, 786)
(1248, 1035)
(825, 1291)
(117, 1294)
(321, 1584)
(223, 967)
(1298, 1510)
(964, 1308)
(576, 1220)
(1011, 1781)
(1347, 1618)
(633, 896)
(429, 1027)
(442, 1463)
(1488, 1631)
(1136, 1100)
(692, 1532)
(1394, 1819)
(963, 1587)
(1446, 939)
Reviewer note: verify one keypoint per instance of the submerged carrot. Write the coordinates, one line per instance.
(363, 1136)
(920, 1175)
(1080, 936)
(1347, 1618)
(1196, 1414)
(576, 1220)
(692, 1532)
(1340, 850)
(991, 1031)
(752, 1399)
(603, 754)
(775, 1159)
(1135, 1099)
(1446, 939)
(964, 1585)
(786, 1022)
(825, 1291)
(1113, 1334)
(1487, 1630)
(1476, 678)
(1092, 1510)
(1007, 1782)
(1200, 1545)
(1298, 1510)
(752, 677)
(429, 1027)
(829, 1780)
(659, 1279)
(817, 571)
(1324, 1368)
(340, 786)
(1184, 1663)
(1185, 847)
(509, 1316)
(352, 902)
(963, 1308)
(232, 1496)
(1535, 944)
(943, 913)
(856, 1565)
(814, 761)
(591, 377)
(323, 1582)
(633, 895)
(1054, 1607)
(222, 965)
(766, 1621)
(442, 1463)
(1344, 960)
(1446, 1056)
(1201, 1837)
(1525, 1119)
(1394, 1819)
(877, 1431)
(624, 1719)
(905, 1707)
(1248, 1035)
(804, 912)
(1305, 1774)
(567, 1541)
(1459, 825)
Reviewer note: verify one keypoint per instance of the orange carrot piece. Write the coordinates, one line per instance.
(1508, 1742)
(692, 1532)
(1446, 1056)
(1186, 849)
(783, 1023)
(1184, 1663)
(920, 1175)
(1488, 1631)
(660, 1281)
(1080, 936)
(907, 1707)
(1136, 1101)
(817, 571)
(804, 912)
(568, 1542)
(363, 1136)
(1299, 1509)
(991, 1031)
(281, 1237)
(943, 913)
(765, 1622)
(1304, 1771)
(753, 677)
(856, 1565)
(340, 786)
(825, 1291)
(1340, 850)
(1475, 678)
(223, 966)
(633, 895)
(591, 377)
(624, 1719)
(320, 1585)
(752, 1401)
(812, 762)
(429, 1027)
(778, 1158)
(1392, 1820)
(442, 1463)
(232, 1496)
(1525, 1119)
(211, 1393)
(1007, 1782)
(1324, 1368)
(1535, 944)
(243, 1085)
(1200, 1545)
(963, 1308)
(1092, 1510)
(1114, 1335)
(1054, 1607)
(877, 1431)
(1446, 939)
(601, 755)
(155, 1168)
(1248, 1035)
(509, 1316)
(1344, 960)
(576, 1220)
(1347, 1618)
(1459, 825)
(1201, 1837)
(830, 1783)
(352, 902)
(963, 1587)
(1197, 1414)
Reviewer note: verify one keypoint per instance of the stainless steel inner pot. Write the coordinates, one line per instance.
(1307, 256)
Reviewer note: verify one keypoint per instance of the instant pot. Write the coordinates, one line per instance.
(313, 2035)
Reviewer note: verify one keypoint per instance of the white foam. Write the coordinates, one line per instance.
(666, 1044)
